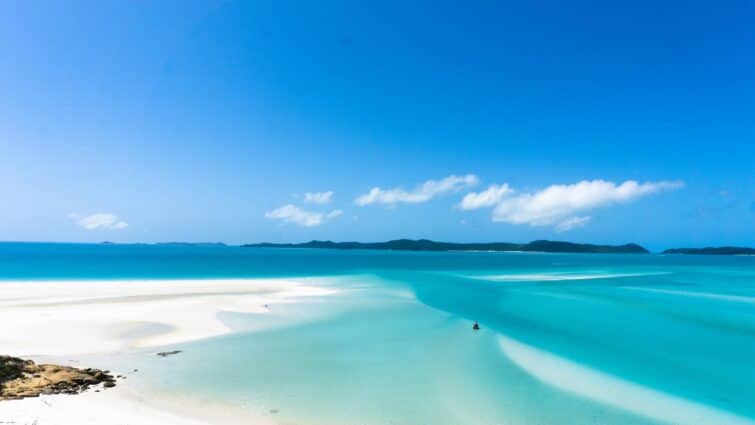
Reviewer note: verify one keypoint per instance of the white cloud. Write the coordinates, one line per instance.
(99, 221)
(572, 223)
(334, 213)
(293, 214)
(487, 198)
(557, 204)
(318, 197)
(421, 193)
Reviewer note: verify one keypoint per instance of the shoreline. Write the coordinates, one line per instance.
(121, 405)
(86, 323)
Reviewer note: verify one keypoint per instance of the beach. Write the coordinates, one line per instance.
(73, 322)
(118, 405)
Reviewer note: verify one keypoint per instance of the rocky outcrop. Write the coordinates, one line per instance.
(23, 378)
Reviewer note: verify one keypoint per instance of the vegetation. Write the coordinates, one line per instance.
(721, 250)
(428, 245)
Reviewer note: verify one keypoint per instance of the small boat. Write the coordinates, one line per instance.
(476, 327)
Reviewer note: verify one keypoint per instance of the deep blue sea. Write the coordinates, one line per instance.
(564, 339)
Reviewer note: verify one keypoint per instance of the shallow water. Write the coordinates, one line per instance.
(565, 338)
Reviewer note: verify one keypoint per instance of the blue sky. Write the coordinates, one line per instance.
(211, 121)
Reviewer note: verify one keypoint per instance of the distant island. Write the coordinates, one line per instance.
(189, 244)
(721, 250)
(219, 244)
(428, 245)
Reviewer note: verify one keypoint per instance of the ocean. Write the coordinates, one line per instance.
(563, 339)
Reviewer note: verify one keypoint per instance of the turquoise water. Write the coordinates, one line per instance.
(565, 339)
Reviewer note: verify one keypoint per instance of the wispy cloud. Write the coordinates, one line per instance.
(318, 197)
(334, 214)
(572, 223)
(487, 198)
(99, 221)
(558, 205)
(421, 193)
(293, 214)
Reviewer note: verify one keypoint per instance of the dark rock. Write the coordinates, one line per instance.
(168, 353)
(10, 368)
(23, 378)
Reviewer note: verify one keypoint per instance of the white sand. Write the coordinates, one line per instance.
(94, 317)
(86, 317)
(117, 406)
